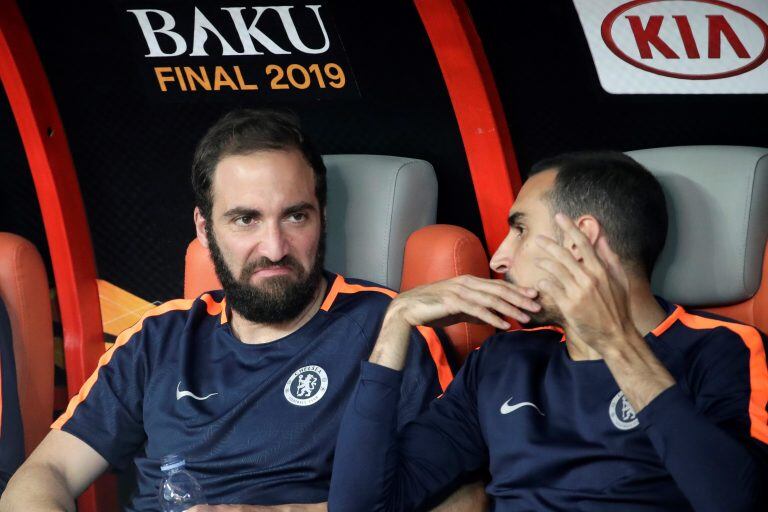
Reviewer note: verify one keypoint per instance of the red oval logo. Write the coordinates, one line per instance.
(672, 50)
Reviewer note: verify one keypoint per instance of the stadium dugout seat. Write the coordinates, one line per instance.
(380, 214)
(715, 254)
(439, 252)
(26, 296)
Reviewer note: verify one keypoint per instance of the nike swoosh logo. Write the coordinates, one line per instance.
(506, 408)
(181, 394)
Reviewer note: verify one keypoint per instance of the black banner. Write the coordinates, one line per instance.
(281, 51)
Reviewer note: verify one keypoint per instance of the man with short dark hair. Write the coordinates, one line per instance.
(247, 384)
(614, 400)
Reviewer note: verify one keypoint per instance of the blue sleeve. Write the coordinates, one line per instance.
(107, 413)
(704, 440)
(11, 430)
(377, 469)
(421, 379)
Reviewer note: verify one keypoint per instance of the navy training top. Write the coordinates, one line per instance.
(559, 435)
(256, 423)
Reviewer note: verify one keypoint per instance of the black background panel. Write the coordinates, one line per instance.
(132, 146)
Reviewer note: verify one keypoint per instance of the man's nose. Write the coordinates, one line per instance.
(502, 258)
(274, 244)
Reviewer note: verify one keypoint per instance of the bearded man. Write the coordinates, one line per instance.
(248, 383)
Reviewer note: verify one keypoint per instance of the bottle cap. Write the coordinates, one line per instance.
(172, 461)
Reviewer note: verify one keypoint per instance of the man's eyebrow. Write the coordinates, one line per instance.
(239, 211)
(515, 218)
(300, 207)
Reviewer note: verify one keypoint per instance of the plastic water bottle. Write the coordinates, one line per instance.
(179, 490)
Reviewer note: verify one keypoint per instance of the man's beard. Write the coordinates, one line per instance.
(280, 299)
(549, 314)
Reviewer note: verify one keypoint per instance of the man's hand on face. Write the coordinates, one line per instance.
(592, 294)
(464, 299)
(593, 297)
(461, 299)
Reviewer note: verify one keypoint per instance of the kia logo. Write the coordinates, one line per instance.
(687, 39)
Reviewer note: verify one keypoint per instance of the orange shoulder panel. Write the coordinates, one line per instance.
(758, 371)
(341, 286)
(213, 308)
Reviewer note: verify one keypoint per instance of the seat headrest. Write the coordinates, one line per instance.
(717, 198)
(25, 293)
(374, 203)
(440, 252)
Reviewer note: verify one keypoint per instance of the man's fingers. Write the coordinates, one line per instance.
(610, 258)
(500, 286)
(566, 259)
(557, 272)
(495, 303)
(517, 296)
(528, 292)
(485, 315)
(554, 290)
(612, 262)
(586, 250)
(479, 299)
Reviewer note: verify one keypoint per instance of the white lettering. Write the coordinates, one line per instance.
(248, 34)
(202, 27)
(149, 32)
(293, 34)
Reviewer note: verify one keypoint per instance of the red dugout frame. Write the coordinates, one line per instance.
(478, 109)
(61, 205)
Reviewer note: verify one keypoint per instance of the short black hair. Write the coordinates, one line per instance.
(621, 194)
(246, 131)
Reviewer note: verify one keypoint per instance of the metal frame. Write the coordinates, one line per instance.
(61, 205)
(478, 109)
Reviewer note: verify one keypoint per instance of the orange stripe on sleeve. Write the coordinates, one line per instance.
(332, 293)
(758, 371)
(552, 328)
(444, 372)
(667, 323)
(213, 308)
(341, 286)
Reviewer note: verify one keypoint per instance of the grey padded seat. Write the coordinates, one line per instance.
(374, 203)
(717, 198)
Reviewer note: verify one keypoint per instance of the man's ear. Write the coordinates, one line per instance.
(591, 228)
(200, 222)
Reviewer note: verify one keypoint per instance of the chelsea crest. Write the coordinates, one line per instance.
(306, 385)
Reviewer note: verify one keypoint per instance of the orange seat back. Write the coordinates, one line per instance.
(199, 275)
(754, 310)
(24, 290)
(441, 251)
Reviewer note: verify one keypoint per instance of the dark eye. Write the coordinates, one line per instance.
(297, 217)
(517, 229)
(244, 220)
